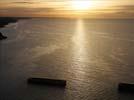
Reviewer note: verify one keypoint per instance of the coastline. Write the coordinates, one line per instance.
(6, 20)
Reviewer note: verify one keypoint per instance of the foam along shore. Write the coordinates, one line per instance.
(46, 81)
(126, 87)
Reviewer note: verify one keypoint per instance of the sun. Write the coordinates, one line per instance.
(81, 5)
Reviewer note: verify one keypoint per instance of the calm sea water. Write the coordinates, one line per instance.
(92, 55)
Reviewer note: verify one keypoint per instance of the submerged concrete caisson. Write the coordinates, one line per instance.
(46, 81)
(126, 87)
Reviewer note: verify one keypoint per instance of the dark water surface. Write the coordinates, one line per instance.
(92, 55)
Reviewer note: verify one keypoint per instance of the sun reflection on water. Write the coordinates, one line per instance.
(79, 52)
(79, 40)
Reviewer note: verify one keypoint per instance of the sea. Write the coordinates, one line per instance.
(92, 55)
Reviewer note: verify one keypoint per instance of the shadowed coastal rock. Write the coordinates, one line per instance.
(6, 20)
(2, 37)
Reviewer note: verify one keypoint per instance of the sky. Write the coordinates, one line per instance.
(68, 8)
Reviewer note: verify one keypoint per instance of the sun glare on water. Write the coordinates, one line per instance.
(81, 5)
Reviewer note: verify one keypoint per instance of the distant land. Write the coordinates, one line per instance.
(6, 20)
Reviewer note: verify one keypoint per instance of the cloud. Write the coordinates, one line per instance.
(126, 7)
(25, 11)
(124, 11)
(25, 2)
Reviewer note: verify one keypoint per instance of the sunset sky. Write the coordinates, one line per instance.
(68, 8)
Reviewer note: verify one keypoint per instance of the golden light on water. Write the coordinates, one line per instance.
(79, 42)
(79, 51)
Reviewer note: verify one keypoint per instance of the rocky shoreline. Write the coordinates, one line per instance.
(6, 20)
